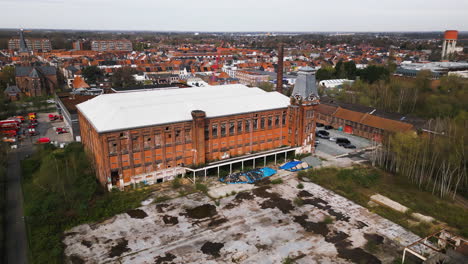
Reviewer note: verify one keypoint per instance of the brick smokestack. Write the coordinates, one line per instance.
(279, 70)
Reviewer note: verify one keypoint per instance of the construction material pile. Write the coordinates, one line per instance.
(248, 176)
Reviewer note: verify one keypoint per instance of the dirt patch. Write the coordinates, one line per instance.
(285, 206)
(244, 196)
(309, 226)
(337, 237)
(212, 249)
(230, 206)
(86, 243)
(357, 255)
(304, 194)
(274, 200)
(74, 259)
(164, 259)
(202, 211)
(137, 213)
(170, 220)
(217, 222)
(376, 239)
(160, 207)
(119, 249)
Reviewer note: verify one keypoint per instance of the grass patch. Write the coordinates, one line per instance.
(371, 247)
(328, 220)
(276, 181)
(201, 187)
(298, 201)
(176, 184)
(359, 183)
(300, 186)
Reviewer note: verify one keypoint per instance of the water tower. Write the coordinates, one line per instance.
(450, 40)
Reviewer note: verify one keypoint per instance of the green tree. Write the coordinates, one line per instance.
(123, 77)
(374, 73)
(7, 77)
(266, 86)
(351, 70)
(325, 73)
(91, 74)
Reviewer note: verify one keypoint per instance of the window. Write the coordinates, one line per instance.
(239, 127)
(188, 135)
(178, 137)
(247, 125)
(214, 130)
(147, 141)
(270, 121)
(157, 140)
(277, 119)
(223, 129)
(283, 121)
(207, 132)
(262, 123)
(112, 147)
(255, 124)
(231, 128)
(135, 143)
(124, 145)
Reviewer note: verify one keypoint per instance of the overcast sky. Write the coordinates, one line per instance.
(237, 15)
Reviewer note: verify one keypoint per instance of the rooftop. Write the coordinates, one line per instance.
(120, 111)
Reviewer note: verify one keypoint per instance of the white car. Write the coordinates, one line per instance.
(332, 139)
(50, 101)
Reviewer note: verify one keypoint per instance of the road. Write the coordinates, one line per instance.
(16, 239)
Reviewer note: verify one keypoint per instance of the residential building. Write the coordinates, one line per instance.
(251, 78)
(111, 45)
(33, 44)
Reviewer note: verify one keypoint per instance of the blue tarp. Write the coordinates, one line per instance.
(290, 165)
(248, 176)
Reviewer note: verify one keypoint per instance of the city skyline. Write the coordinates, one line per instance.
(239, 16)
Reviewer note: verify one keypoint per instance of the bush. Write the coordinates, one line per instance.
(277, 181)
(328, 220)
(298, 201)
(176, 183)
(201, 187)
(300, 186)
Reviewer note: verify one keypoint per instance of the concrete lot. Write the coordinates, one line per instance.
(331, 148)
(262, 225)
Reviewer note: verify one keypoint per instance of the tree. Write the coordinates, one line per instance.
(91, 74)
(7, 77)
(325, 73)
(374, 73)
(123, 77)
(266, 86)
(351, 70)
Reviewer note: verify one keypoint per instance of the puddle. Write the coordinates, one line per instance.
(212, 249)
(217, 222)
(166, 259)
(170, 220)
(304, 194)
(119, 249)
(137, 213)
(86, 243)
(202, 211)
(337, 237)
(317, 228)
(229, 206)
(376, 239)
(285, 206)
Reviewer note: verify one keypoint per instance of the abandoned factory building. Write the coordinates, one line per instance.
(156, 134)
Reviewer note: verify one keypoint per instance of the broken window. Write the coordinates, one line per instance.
(112, 147)
(239, 126)
(188, 135)
(247, 125)
(270, 122)
(277, 119)
(223, 129)
(157, 140)
(207, 132)
(255, 124)
(262, 123)
(231, 128)
(214, 130)
(147, 141)
(135, 143)
(178, 137)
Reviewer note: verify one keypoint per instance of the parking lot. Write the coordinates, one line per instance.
(333, 149)
(46, 128)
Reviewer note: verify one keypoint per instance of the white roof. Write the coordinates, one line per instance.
(119, 111)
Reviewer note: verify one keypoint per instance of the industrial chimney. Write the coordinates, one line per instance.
(279, 70)
(450, 40)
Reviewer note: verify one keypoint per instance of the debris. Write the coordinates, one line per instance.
(137, 213)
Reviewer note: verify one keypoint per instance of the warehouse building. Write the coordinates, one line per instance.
(151, 136)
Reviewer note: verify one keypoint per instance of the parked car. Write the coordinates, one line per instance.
(320, 125)
(332, 139)
(342, 141)
(348, 146)
(322, 132)
(328, 127)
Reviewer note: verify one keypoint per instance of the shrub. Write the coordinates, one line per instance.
(298, 201)
(233, 193)
(328, 220)
(201, 187)
(300, 186)
(176, 183)
(277, 181)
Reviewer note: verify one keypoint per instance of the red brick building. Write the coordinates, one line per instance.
(37, 80)
(153, 135)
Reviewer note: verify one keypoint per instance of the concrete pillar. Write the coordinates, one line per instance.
(205, 174)
(264, 161)
(242, 166)
(254, 163)
(193, 177)
(230, 168)
(275, 158)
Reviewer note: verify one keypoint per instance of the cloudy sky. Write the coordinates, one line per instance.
(237, 15)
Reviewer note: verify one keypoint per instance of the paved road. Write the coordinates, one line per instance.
(16, 239)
